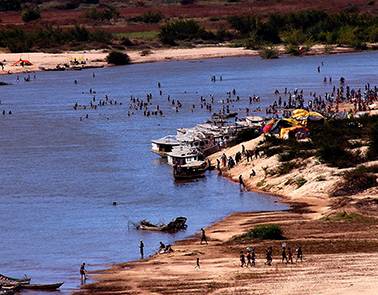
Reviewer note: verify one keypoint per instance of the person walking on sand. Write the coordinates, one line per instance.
(197, 264)
(249, 259)
(141, 249)
(269, 255)
(299, 253)
(289, 255)
(283, 253)
(83, 273)
(242, 259)
(203, 236)
(253, 254)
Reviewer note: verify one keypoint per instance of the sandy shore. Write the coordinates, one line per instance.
(96, 58)
(341, 255)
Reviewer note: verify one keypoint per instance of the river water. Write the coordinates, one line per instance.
(59, 175)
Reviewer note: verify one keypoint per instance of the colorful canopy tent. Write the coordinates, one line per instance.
(304, 116)
(22, 62)
(283, 123)
(268, 126)
(295, 131)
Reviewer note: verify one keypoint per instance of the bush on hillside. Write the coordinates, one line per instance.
(373, 142)
(30, 14)
(355, 181)
(118, 58)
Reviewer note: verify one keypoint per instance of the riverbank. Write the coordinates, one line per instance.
(41, 61)
(338, 236)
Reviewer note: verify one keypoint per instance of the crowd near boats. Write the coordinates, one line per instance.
(290, 116)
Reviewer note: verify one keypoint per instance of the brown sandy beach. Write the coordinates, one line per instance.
(96, 58)
(338, 236)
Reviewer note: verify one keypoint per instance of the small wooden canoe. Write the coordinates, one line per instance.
(43, 287)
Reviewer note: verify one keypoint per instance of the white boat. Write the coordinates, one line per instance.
(183, 155)
(164, 145)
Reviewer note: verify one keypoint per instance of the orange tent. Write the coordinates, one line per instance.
(22, 62)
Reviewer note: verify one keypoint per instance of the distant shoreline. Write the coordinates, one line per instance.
(42, 61)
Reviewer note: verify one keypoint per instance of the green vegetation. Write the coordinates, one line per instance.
(269, 53)
(300, 181)
(263, 232)
(347, 28)
(333, 143)
(149, 17)
(348, 217)
(30, 13)
(171, 32)
(118, 58)
(19, 40)
(355, 181)
(373, 142)
(105, 14)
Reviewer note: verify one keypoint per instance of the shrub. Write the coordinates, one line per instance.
(118, 58)
(269, 53)
(355, 181)
(293, 50)
(107, 13)
(294, 37)
(300, 181)
(286, 167)
(373, 142)
(180, 30)
(149, 17)
(263, 232)
(30, 14)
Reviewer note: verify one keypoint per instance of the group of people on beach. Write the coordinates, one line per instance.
(248, 257)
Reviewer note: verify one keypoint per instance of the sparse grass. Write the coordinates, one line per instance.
(286, 167)
(300, 181)
(261, 183)
(146, 36)
(348, 217)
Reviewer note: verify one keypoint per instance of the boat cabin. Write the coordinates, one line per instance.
(183, 155)
(164, 145)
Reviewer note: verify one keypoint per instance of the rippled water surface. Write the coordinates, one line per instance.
(59, 175)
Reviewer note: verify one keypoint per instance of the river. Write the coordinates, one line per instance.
(59, 175)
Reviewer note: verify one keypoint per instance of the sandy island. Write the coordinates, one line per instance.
(340, 255)
(96, 58)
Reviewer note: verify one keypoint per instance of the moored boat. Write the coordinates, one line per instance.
(43, 287)
(5, 280)
(182, 155)
(164, 145)
(195, 169)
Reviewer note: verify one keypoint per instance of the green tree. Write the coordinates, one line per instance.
(118, 58)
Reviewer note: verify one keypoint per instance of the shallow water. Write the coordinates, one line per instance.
(59, 175)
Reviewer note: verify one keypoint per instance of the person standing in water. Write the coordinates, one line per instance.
(83, 272)
(141, 249)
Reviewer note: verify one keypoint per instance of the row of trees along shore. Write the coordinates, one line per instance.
(254, 32)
